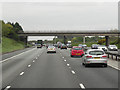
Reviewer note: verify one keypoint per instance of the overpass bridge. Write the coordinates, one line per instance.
(71, 33)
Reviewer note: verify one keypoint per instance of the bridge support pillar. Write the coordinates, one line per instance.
(107, 40)
(55, 39)
(25, 40)
(84, 39)
(65, 40)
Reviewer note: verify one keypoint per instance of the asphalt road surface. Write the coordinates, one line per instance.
(35, 68)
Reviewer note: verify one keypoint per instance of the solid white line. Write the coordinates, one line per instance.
(113, 67)
(73, 72)
(15, 56)
(82, 86)
(65, 60)
(68, 64)
(21, 73)
(8, 87)
(29, 65)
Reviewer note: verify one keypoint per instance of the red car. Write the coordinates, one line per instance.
(77, 51)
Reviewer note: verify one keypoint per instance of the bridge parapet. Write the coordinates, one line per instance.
(70, 33)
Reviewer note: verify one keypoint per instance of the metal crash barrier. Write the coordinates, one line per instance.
(112, 55)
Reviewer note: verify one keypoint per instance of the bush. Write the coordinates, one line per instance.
(101, 41)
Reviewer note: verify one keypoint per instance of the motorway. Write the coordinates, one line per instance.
(34, 68)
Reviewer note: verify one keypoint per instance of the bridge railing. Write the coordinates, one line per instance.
(73, 31)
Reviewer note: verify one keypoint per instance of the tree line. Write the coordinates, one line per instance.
(11, 30)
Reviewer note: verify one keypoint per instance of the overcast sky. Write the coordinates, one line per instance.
(39, 15)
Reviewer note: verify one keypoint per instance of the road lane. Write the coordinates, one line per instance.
(49, 71)
(55, 71)
(92, 77)
(12, 67)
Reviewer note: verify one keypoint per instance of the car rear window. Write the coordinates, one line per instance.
(113, 46)
(77, 48)
(64, 45)
(96, 52)
(51, 47)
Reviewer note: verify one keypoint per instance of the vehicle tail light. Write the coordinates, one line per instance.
(104, 56)
(89, 56)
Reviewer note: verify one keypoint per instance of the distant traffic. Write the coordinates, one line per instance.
(96, 54)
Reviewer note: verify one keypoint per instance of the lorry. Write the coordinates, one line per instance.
(69, 42)
(69, 45)
(39, 43)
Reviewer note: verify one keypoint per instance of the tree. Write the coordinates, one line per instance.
(11, 30)
(16, 27)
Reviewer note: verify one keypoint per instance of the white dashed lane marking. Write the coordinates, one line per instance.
(73, 72)
(8, 87)
(68, 64)
(29, 65)
(21, 73)
(82, 86)
(33, 61)
(65, 60)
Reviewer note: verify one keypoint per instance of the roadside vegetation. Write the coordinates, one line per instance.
(9, 45)
(114, 40)
(10, 39)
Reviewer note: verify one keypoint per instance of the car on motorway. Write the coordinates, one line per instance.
(69, 45)
(51, 49)
(94, 46)
(55, 45)
(84, 45)
(94, 56)
(59, 45)
(39, 46)
(63, 46)
(103, 47)
(76, 51)
(80, 45)
(112, 48)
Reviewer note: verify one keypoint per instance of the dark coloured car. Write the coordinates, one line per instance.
(63, 46)
(39, 46)
(59, 45)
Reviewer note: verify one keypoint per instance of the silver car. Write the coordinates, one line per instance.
(102, 47)
(113, 47)
(51, 49)
(94, 56)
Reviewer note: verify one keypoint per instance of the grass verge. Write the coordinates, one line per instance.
(9, 45)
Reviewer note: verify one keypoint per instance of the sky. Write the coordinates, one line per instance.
(61, 15)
